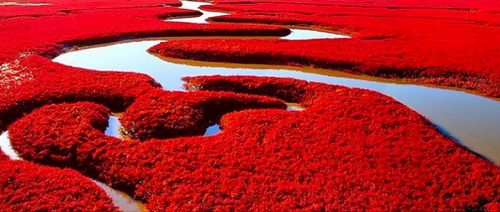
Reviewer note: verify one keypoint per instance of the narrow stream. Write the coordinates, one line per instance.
(193, 5)
(472, 120)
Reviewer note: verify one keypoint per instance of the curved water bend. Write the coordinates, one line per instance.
(296, 34)
(194, 5)
(6, 147)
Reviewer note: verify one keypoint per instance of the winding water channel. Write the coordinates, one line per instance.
(472, 120)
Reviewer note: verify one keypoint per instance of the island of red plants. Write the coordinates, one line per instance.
(165, 114)
(350, 149)
(30, 187)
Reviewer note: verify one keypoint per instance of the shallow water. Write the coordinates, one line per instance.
(122, 200)
(13, 3)
(212, 130)
(7, 147)
(114, 127)
(305, 34)
(294, 106)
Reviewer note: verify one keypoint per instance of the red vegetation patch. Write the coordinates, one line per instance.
(101, 22)
(30, 187)
(443, 43)
(28, 81)
(331, 156)
(48, 82)
(165, 114)
(3, 156)
(83, 146)
(91, 117)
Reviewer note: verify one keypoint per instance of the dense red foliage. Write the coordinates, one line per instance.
(31, 35)
(166, 114)
(3, 156)
(439, 42)
(99, 22)
(332, 155)
(30, 187)
(28, 81)
(51, 83)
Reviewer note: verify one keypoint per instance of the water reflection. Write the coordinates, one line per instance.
(121, 199)
(212, 130)
(6, 146)
(13, 3)
(296, 107)
(114, 127)
(304, 34)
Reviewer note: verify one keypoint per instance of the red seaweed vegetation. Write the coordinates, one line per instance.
(330, 156)
(350, 149)
(53, 83)
(165, 114)
(446, 43)
(30, 187)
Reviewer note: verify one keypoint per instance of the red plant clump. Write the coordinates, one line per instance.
(101, 22)
(330, 156)
(52, 83)
(3, 156)
(443, 43)
(84, 146)
(165, 114)
(31, 187)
